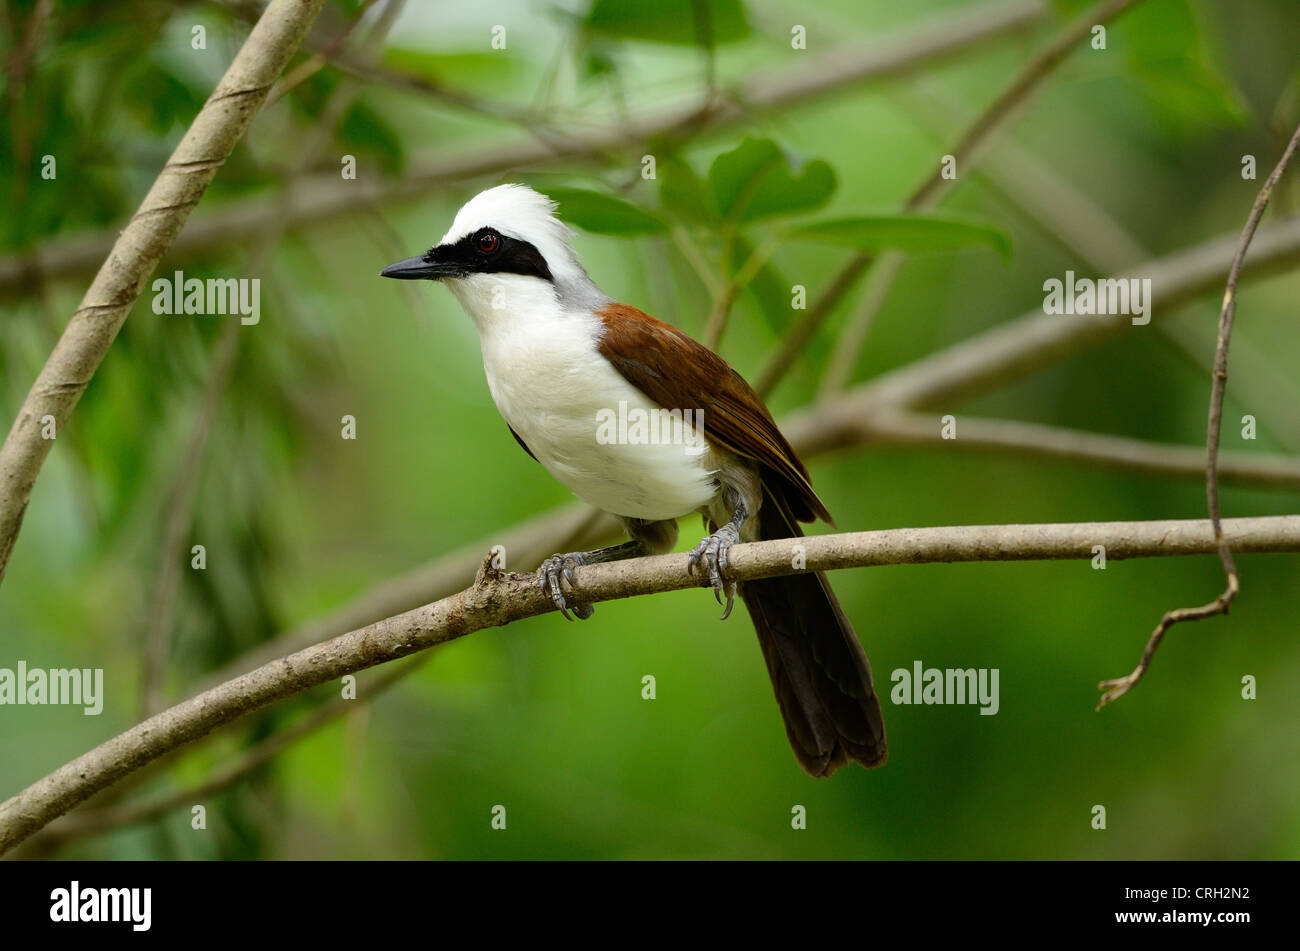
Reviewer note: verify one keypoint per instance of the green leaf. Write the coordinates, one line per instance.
(366, 132)
(1170, 54)
(682, 192)
(604, 214)
(1193, 94)
(680, 22)
(756, 180)
(912, 232)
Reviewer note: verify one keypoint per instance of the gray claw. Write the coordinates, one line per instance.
(713, 552)
(552, 574)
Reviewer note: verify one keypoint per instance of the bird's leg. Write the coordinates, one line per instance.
(713, 552)
(559, 568)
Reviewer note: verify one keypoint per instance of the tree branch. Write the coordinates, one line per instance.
(497, 598)
(137, 250)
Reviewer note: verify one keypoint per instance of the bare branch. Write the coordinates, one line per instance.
(1087, 231)
(1112, 690)
(1052, 202)
(136, 251)
(497, 598)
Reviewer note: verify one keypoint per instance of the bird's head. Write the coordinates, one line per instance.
(505, 244)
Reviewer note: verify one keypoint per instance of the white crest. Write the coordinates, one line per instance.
(519, 212)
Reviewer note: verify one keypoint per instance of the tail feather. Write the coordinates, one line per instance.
(819, 670)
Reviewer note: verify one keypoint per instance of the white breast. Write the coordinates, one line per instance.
(565, 400)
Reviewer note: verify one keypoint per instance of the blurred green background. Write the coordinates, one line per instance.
(546, 717)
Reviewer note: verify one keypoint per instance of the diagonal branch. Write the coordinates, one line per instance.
(137, 250)
(497, 598)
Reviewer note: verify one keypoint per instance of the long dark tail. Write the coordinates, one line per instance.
(819, 669)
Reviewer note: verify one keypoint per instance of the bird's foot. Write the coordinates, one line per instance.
(551, 576)
(712, 551)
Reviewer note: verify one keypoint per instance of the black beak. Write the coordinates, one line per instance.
(418, 269)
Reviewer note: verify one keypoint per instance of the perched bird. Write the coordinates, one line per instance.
(576, 375)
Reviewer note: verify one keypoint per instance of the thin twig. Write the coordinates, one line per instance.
(1073, 219)
(1048, 200)
(1112, 690)
(805, 328)
(848, 348)
(716, 325)
(1088, 232)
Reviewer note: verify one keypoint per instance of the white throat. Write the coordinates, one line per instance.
(501, 303)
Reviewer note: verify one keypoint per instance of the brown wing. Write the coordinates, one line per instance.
(678, 372)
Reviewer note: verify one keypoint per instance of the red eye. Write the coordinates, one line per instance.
(487, 243)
